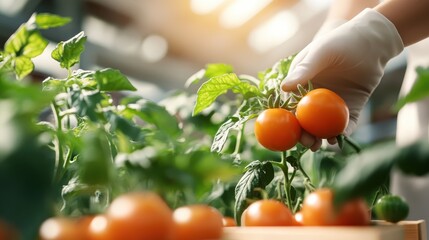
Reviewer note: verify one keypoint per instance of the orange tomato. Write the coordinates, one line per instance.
(229, 222)
(318, 210)
(61, 228)
(267, 212)
(197, 222)
(277, 129)
(322, 113)
(134, 216)
(298, 219)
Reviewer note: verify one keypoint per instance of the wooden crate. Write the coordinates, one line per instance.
(413, 230)
(407, 230)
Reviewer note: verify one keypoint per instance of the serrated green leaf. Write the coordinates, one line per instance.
(222, 134)
(26, 42)
(23, 66)
(35, 46)
(68, 53)
(216, 86)
(48, 20)
(17, 41)
(217, 69)
(258, 175)
(419, 90)
(112, 80)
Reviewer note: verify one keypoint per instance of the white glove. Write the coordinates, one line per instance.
(349, 60)
(328, 26)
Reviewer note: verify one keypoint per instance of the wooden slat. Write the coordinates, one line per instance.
(391, 232)
(413, 230)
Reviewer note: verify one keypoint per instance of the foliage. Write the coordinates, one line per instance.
(69, 145)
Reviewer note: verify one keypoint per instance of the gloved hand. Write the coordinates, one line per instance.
(349, 60)
(328, 26)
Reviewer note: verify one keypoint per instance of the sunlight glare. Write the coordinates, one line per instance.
(154, 48)
(273, 32)
(241, 11)
(204, 6)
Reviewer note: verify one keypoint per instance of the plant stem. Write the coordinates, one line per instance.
(287, 180)
(59, 158)
(238, 141)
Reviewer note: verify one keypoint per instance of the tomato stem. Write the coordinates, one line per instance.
(59, 158)
(287, 180)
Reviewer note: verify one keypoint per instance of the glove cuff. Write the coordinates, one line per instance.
(382, 33)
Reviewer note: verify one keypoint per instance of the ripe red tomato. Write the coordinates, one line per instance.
(267, 212)
(61, 228)
(322, 113)
(318, 210)
(196, 222)
(229, 222)
(277, 129)
(134, 216)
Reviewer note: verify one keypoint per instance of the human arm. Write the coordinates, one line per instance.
(410, 17)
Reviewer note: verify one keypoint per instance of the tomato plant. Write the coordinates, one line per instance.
(267, 212)
(196, 222)
(318, 210)
(322, 113)
(391, 208)
(277, 129)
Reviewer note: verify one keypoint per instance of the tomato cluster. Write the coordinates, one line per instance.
(317, 210)
(321, 113)
(139, 216)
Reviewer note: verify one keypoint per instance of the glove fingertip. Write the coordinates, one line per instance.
(290, 84)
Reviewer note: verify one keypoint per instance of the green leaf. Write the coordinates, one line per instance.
(419, 90)
(216, 86)
(48, 20)
(95, 162)
(365, 172)
(35, 46)
(23, 66)
(87, 103)
(112, 80)
(53, 85)
(68, 53)
(258, 175)
(222, 134)
(211, 70)
(414, 158)
(217, 69)
(125, 126)
(24, 42)
(157, 115)
(17, 41)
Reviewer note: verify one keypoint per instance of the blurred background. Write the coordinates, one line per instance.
(158, 44)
